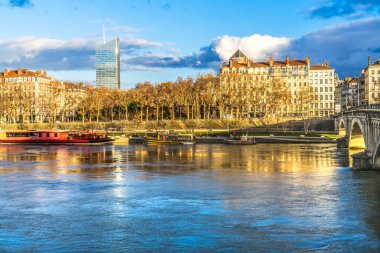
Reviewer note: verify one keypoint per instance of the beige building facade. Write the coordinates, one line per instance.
(297, 74)
(371, 82)
(33, 96)
(322, 79)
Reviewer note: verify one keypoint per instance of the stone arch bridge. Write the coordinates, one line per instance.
(360, 128)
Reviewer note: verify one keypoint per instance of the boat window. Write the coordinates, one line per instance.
(47, 134)
(55, 135)
(17, 134)
(39, 135)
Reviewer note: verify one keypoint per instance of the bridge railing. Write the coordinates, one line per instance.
(369, 106)
(360, 107)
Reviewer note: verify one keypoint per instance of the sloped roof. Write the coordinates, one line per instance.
(238, 54)
(235, 64)
(23, 73)
(319, 67)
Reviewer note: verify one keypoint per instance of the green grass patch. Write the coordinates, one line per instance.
(332, 136)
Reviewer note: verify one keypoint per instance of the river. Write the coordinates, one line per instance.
(137, 198)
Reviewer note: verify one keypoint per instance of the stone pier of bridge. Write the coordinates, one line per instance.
(360, 129)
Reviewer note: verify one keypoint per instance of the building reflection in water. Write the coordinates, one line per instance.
(252, 158)
(87, 160)
(95, 160)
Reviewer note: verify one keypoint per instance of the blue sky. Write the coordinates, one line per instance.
(164, 39)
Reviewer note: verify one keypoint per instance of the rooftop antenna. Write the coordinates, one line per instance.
(104, 35)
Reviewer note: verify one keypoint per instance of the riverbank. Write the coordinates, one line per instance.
(281, 130)
(258, 139)
(284, 124)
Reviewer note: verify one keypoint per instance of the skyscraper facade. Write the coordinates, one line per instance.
(108, 65)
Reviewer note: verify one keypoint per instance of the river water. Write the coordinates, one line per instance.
(137, 198)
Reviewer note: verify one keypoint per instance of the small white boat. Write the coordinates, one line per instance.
(188, 142)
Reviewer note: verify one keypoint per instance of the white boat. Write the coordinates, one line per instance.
(188, 142)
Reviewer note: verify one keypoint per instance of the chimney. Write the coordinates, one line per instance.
(326, 64)
(38, 72)
(271, 61)
(44, 73)
(287, 60)
(369, 60)
(6, 71)
(19, 72)
(308, 60)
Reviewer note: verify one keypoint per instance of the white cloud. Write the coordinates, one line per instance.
(346, 46)
(56, 54)
(29, 47)
(256, 46)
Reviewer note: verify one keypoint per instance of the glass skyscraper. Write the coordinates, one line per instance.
(108, 65)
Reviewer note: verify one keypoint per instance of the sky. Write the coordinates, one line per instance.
(163, 39)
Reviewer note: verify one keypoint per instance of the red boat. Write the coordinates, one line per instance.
(54, 137)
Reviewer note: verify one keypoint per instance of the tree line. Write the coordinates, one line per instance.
(203, 97)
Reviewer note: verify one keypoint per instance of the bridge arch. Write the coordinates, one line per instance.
(357, 139)
(342, 130)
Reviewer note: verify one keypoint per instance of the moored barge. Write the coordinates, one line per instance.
(54, 137)
(185, 139)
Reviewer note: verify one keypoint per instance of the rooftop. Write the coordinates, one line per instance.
(23, 73)
(239, 59)
(320, 67)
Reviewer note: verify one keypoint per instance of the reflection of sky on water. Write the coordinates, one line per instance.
(206, 197)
